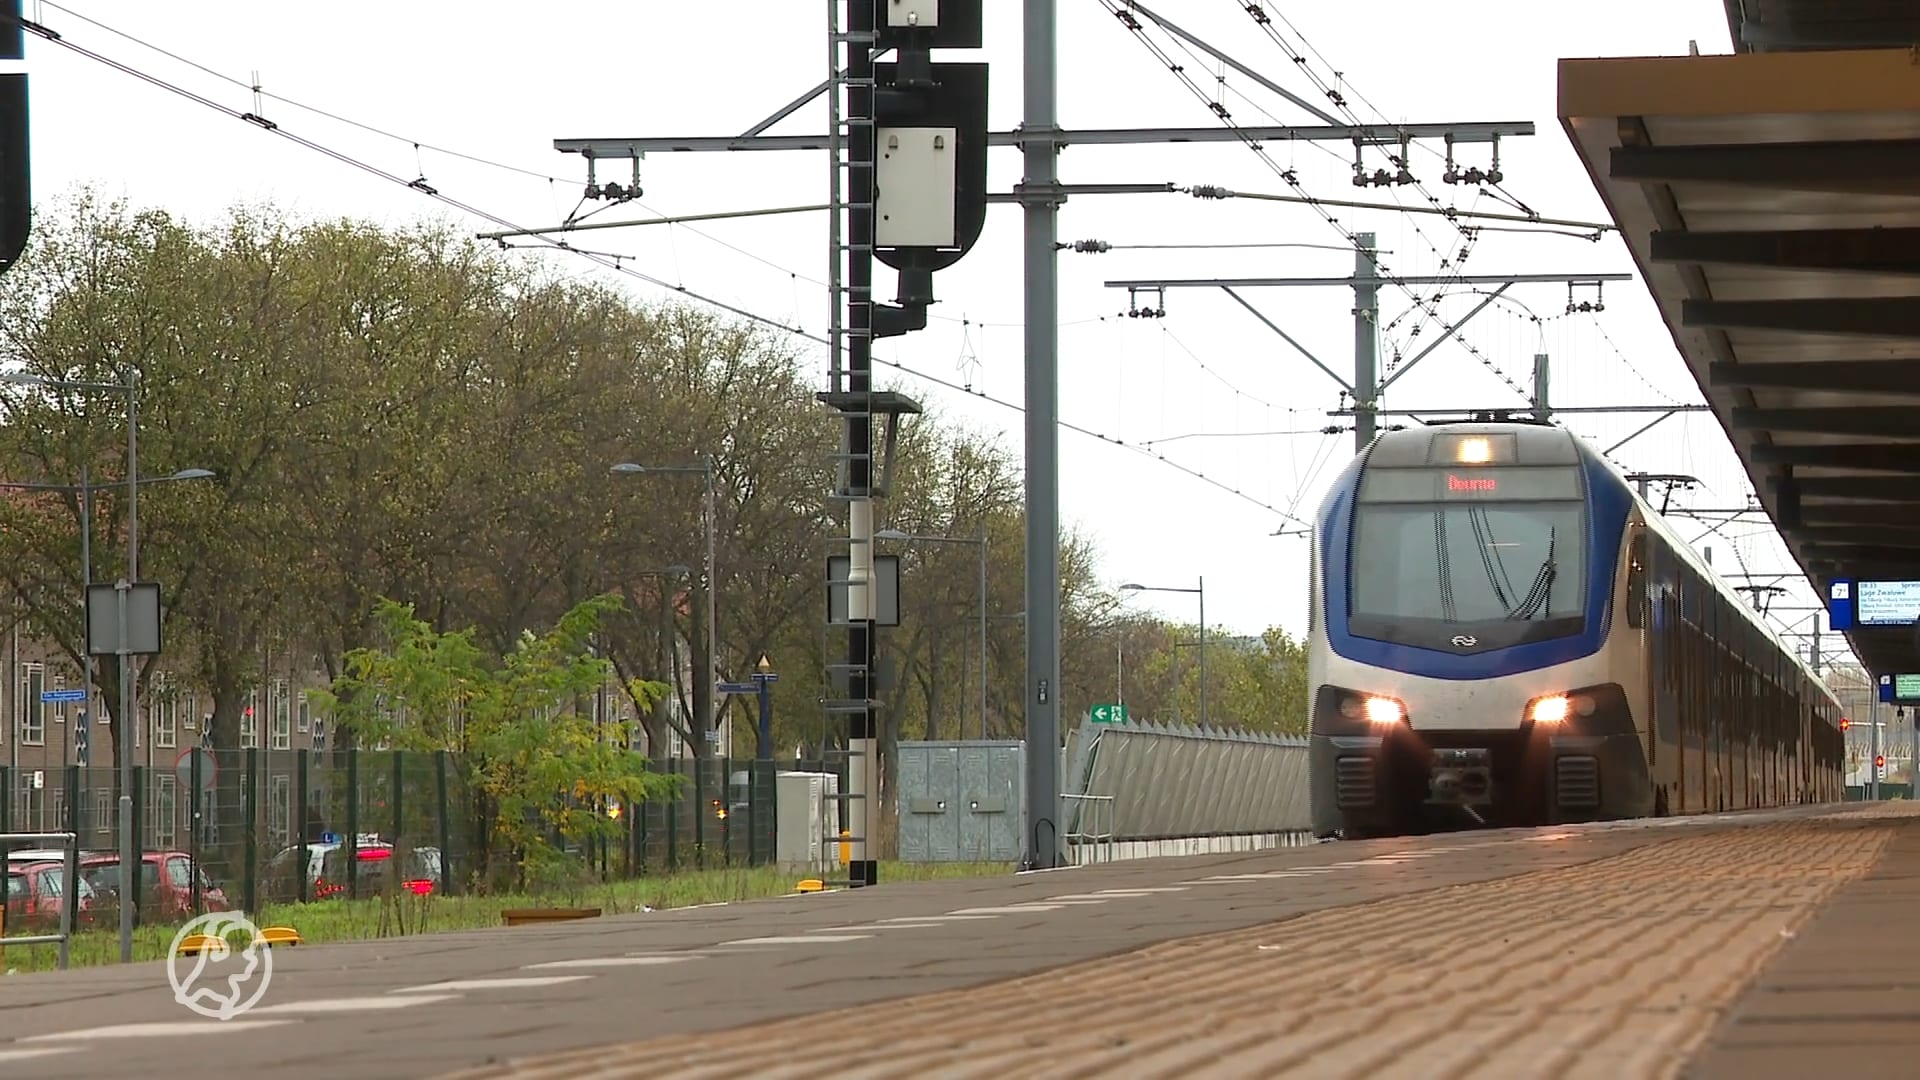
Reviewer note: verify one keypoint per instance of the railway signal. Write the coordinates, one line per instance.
(16, 189)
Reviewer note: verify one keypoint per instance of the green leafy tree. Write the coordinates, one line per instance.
(540, 768)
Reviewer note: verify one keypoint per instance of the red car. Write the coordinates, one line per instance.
(166, 882)
(35, 895)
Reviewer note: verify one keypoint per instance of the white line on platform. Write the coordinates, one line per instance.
(605, 961)
(940, 918)
(1143, 891)
(799, 939)
(1086, 898)
(24, 1052)
(1010, 909)
(511, 982)
(160, 1028)
(355, 1004)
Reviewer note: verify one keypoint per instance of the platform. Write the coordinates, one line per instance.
(1748, 945)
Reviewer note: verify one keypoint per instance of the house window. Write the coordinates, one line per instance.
(304, 714)
(163, 713)
(250, 723)
(279, 809)
(164, 812)
(29, 715)
(282, 717)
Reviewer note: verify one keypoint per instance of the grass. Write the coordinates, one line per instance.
(360, 920)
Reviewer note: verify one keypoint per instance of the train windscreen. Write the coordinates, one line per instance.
(1496, 552)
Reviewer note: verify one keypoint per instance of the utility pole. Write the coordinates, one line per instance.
(960, 89)
(1041, 199)
(1366, 341)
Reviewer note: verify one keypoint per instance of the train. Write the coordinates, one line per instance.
(1504, 633)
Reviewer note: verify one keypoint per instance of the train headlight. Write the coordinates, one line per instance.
(1475, 451)
(1552, 709)
(1384, 710)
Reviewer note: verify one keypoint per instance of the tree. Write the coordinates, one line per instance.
(540, 766)
(104, 292)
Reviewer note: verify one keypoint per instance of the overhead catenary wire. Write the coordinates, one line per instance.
(432, 147)
(606, 262)
(1429, 309)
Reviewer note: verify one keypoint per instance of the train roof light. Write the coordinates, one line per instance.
(1476, 448)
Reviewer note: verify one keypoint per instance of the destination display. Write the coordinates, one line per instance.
(1497, 483)
(1852, 604)
(1886, 603)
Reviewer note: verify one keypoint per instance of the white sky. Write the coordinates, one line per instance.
(471, 79)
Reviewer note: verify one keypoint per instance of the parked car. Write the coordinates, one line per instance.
(326, 871)
(371, 865)
(166, 883)
(36, 893)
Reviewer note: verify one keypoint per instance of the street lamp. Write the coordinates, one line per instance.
(1201, 590)
(705, 471)
(127, 849)
(981, 540)
(85, 490)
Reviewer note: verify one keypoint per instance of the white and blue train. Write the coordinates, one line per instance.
(1504, 633)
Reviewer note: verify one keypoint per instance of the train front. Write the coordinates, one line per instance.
(1460, 604)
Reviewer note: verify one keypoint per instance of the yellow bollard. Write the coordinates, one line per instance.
(846, 847)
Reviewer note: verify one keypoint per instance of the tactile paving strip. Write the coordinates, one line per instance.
(1614, 968)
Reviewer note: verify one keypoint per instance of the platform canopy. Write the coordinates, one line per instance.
(1772, 202)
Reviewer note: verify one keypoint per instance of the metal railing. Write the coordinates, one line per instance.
(69, 844)
(1092, 831)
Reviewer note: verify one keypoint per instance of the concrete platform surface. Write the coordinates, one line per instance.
(1608, 950)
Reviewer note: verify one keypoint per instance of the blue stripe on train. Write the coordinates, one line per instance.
(1608, 503)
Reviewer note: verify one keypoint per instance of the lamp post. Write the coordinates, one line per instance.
(981, 542)
(710, 725)
(1201, 590)
(85, 490)
(124, 653)
(705, 471)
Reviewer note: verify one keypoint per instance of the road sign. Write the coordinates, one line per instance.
(766, 676)
(209, 768)
(48, 697)
(738, 688)
(1109, 714)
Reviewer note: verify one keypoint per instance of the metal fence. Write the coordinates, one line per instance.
(252, 818)
(1167, 782)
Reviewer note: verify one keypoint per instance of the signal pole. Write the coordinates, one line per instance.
(921, 25)
(16, 169)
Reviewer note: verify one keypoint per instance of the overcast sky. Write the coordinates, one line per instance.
(1208, 388)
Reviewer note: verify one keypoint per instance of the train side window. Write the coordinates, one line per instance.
(1637, 582)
